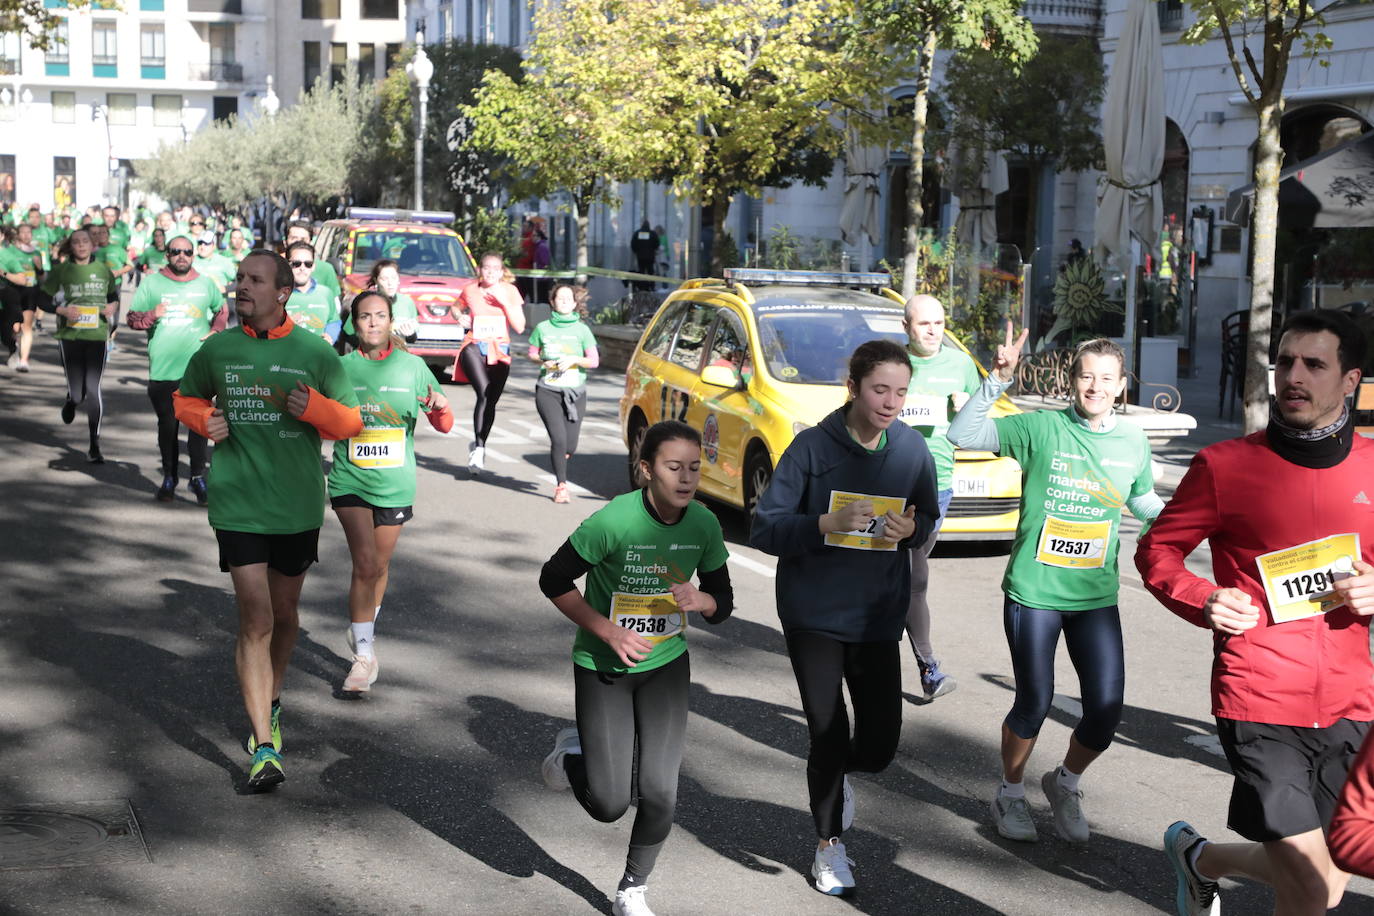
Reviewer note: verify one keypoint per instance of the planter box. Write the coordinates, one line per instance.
(616, 343)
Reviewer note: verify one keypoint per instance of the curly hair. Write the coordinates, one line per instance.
(579, 294)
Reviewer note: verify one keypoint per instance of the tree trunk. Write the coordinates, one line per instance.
(1263, 232)
(915, 185)
(720, 208)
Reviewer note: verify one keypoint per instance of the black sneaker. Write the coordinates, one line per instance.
(68, 411)
(94, 456)
(167, 492)
(197, 486)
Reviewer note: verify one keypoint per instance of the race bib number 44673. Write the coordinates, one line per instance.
(655, 617)
(1299, 581)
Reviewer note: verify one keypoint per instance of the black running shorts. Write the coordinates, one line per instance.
(1287, 778)
(288, 554)
(380, 515)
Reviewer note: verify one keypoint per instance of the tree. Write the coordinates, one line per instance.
(911, 30)
(1275, 26)
(1044, 112)
(37, 24)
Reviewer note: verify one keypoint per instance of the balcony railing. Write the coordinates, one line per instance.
(217, 73)
(1078, 17)
(1170, 15)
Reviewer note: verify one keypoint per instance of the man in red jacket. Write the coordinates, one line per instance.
(1290, 522)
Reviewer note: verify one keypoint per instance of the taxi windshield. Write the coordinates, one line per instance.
(415, 254)
(811, 344)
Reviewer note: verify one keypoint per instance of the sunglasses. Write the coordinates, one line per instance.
(197, 223)
(301, 263)
(205, 243)
(179, 251)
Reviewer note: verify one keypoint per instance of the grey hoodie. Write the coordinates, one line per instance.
(848, 595)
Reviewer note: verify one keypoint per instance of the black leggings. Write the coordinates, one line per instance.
(1094, 642)
(563, 432)
(84, 363)
(160, 393)
(487, 383)
(11, 313)
(613, 711)
(873, 672)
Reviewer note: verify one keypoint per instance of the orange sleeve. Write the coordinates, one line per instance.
(332, 419)
(194, 412)
(441, 419)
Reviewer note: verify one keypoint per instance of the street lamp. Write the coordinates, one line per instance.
(421, 68)
(269, 104)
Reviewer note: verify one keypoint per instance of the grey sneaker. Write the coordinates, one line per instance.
(1013, 818)
(833, 870)
(565, 743)
(847, 814)
(1196, 896)
(1069, 820)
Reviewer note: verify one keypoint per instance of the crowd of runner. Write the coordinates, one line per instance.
(852, 513)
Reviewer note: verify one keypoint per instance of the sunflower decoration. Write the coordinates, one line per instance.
(1080, 298)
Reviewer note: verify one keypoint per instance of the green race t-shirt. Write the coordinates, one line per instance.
(1074, 484)
(557, 339)
(635, 559)
(89, 287)
(114, 256)
(15, 260)
(178, 333)
(218, 268)
(928, 408)
(325, 275)
(153, 258)
(313, 310)
(379, 463)
(403, 307)
(267, 477)
(120, 234)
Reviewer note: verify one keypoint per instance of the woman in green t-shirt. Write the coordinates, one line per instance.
(564, 348)
(386, 278)
(154, 257)
(90, 295)
(630, 667)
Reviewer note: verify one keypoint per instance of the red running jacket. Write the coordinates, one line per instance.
(1245, 500)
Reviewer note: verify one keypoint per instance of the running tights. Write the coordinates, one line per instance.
(918, 610)
(563, 432)
(873, 673)
(84, 363)
(160, 393)
(1094, 642)
(613, 710)
(487, 383)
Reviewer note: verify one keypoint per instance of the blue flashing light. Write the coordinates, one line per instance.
(760, 275)
(402, 216)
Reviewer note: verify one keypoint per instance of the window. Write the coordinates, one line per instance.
(319, 9)
(381, 9)
(445, 23)
(220, 38)
(224, 107)
(166, 111)
(151, 6)
(393, 51)
(63, 181)
(120, 106)
(367, 62)
(152, 42)
(310, 54)
(659, 338)
(690, 337)
(6, 179)
(728, 347)
(56, 60)
(1170, 15)
(517, 21)
(9, 54)
(104, 47)
(64, 107)
(338, 62)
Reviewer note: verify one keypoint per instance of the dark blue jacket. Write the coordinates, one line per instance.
(848, 595)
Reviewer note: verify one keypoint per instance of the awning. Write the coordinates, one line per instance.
(1332, 190)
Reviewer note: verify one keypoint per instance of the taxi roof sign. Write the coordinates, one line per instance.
(758, 275)
(401, 216)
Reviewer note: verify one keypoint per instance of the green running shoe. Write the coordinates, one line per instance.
(266, 772)
(251, 745)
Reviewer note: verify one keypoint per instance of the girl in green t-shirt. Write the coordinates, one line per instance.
(386, 278)
(630, 667)
(564, 348)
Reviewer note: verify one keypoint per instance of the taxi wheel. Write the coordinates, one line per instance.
(758, 472)
(638, 427)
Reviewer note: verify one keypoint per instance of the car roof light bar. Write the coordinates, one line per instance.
(757, 275)
(401, 216)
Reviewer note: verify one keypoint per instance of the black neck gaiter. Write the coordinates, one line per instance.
(1312, 448)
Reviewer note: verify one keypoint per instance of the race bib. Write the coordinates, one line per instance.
(488, 327)
(871, 537)
(88, 317)
(1074, 545)
(1298, 581)
(924, 410)
(378, 448)
(655, 617)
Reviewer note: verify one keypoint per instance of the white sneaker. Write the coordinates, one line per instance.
(630, 902)
(832, 869)
(362, 675)
(847, 815)
(556, 778)
(477, 459)
(1013, 818)
(1069, 820)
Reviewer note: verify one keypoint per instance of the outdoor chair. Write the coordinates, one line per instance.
(1235, 329)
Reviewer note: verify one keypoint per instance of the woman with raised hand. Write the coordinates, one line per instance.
(386, 278)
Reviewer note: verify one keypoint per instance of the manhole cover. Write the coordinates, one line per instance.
(70, 834)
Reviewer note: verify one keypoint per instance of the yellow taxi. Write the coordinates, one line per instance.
(753, 359)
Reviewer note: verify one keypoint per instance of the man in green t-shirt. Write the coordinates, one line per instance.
(299, 231)
(210, 263)
(313, 306)
(265, 394)
(118, 229)
(178, 308)
(942, 378)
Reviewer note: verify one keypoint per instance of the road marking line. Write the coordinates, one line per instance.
(752, 565)
(549, 478)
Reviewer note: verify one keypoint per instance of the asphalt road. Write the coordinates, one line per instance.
(116, 646)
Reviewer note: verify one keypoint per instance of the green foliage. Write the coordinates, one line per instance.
(1048, 113)
(1080, 301)
(493, 230)
(782, 251)
(725, 250)
(37, 25)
